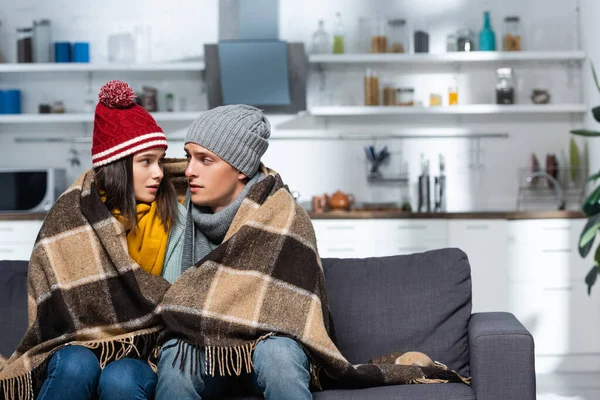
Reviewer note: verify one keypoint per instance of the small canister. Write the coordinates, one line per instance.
(81, 52)
(62, 52)
(10, 101)
(405, 96)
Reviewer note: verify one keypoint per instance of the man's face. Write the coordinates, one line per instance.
(213, 182)
(147, 174)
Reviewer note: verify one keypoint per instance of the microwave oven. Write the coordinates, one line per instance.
(30, 190)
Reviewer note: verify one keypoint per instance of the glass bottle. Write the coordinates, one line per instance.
(338, 35)
(41, 41)
(170, 102)
(321, 43)
(512, 40)
(453, 93)
(487, 37)
(24, 45)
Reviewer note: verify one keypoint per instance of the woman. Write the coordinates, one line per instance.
(95, 272)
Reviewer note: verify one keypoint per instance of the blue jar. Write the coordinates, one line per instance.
(10, 101)
(487, 37)
(81, 52)
(62, 52)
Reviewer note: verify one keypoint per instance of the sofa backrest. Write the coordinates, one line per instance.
(418, 302)
(13, 304)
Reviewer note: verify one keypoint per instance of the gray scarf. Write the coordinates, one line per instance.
(205, 230)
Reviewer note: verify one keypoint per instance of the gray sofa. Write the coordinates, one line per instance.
(417, 302)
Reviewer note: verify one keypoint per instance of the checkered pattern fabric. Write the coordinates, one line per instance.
(266, 279)
(83, 288)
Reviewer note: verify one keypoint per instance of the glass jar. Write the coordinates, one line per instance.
(465, 40)
(389, 95)
(363, 37)
(24, 45)
(379, 40)
(371, 88)
(397, 35)
(451, 42)
(505, 86)
(405, 96)
(41, 41)
(513, 36)
(321, 42)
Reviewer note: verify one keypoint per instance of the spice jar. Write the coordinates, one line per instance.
(379, 38)
(405, 96)
(389, 95)
(397, 35)
(453, 94)
(24, 45)
(512, 34)
(41, 41)
(371, 88)
(505, 86)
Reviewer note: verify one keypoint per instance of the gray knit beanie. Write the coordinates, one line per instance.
(236, 133)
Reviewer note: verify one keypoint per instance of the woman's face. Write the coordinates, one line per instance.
(147, 174)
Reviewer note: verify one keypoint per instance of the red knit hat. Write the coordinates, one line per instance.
(121, 127)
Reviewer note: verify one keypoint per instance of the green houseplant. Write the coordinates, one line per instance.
(591, 206)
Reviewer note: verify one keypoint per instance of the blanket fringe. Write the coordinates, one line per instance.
(17, 388)
(227, 361)
(112, 350)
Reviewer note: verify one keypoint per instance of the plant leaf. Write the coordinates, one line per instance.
(594, 75)
(574, 156)
(594, 177)
(590, 279)
(588, 234)
(591, 205)
(584, 132)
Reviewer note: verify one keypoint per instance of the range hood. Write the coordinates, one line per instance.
(250, 65)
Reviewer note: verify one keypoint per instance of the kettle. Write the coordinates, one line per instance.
(340, 201)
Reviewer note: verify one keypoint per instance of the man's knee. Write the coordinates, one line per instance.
(278, 354)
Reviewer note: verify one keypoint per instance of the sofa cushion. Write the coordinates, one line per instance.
(446, 391)
(418, 302)
(13, 304)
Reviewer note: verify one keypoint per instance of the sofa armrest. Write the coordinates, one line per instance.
(501, 357)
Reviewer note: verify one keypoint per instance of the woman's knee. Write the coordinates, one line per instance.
(75, 362)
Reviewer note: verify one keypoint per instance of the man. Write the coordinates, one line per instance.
(224, 147)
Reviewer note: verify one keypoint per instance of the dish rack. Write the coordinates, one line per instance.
(540, 192)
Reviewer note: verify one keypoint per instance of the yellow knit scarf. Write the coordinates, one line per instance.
(147, 242)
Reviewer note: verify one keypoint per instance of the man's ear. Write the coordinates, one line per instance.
(242, 177)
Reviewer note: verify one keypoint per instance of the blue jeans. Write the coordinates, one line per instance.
(281, 372)
(74, 373)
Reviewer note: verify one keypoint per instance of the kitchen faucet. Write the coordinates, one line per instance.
(558, 190)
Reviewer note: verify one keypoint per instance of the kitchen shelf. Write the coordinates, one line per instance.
(449, 58)
(71, 118)
(471, 109)
(90, 67)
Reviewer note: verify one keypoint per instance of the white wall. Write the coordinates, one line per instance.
(181, 27)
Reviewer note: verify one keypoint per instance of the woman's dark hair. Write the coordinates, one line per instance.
(115, 181)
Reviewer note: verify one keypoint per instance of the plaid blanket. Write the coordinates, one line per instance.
(266, 278)
(83, 288)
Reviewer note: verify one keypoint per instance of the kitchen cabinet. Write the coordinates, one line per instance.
(361, 238)
(347, 238)
(485, 243)
(548, 294)
(17, 239)
(406, 236)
